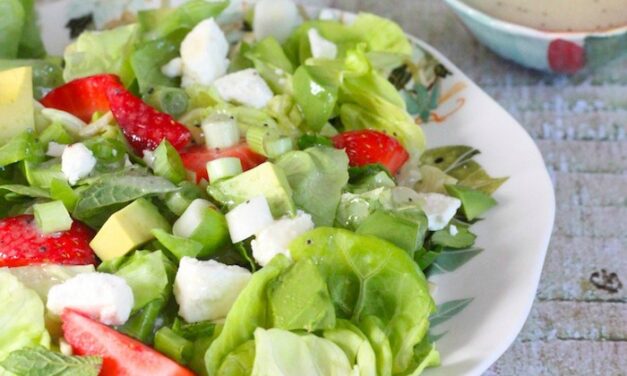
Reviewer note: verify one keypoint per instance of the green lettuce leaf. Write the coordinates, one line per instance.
(280, 352)
(149, 274)
(31, 46)
(11, 25)
(272, 64)
(107, 51)
(249, 312)
(148, 59)
(381, 34)
(21, 318)
(316, 92)
(369, 277)
(239, 362)
(317, 176)
(355, 345)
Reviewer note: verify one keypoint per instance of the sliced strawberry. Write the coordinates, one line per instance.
(83, 96)
(22, 244)
(121, 355)
(195, 158)
(368, 147)
(143, 126)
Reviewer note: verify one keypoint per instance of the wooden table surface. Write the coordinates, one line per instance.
(578, 325)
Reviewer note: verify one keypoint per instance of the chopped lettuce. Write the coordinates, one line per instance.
(280, 352)
(355, 345)
(317, 176)
(21, 318)
(381, 34)
(11, 24)
(148, 59)
(107, 51)
(31, 45)
(270, 61)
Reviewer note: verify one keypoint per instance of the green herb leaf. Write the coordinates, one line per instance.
(462, 239)
(450, 260)
(448, 310)
(40, 362)
(168, 163)
(24, 190)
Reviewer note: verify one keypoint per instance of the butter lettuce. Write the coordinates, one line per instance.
(381, 34)
(21, 317)
(317, 176)
(11, 24)
(280, 352)
(96, 52)
(148, 59)
(371, 278)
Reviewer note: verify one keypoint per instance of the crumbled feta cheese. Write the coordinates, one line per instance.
(206, 290)
(55, 150)
(174, 68)
(409, 175)
(191, 218)
(248, 218)
(321, 47)
(275, 18)
(453, 230)
(438, 208)
(103, 297)
(77, 162)
(203, 54)
(244, 87)
(274, 239)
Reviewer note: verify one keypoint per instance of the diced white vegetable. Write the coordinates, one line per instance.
(321, 47)
(97, 126)
(439, 209)
(174, 68)
(55, 150)
(77, 162)
(275, 18)
(248, 218)
(244, 87)
(274, 239)
(103, 297)
(223, 168)
(453, 230)
(220, 131)
(206, 290)
(191, 218)
(203, 54)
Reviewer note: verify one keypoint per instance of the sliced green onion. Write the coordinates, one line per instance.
(223, 168)
(52, 217)
(221, 131)
(276, 148)
(55, 132)
(71, 123)
(256, 137)
(173, 345)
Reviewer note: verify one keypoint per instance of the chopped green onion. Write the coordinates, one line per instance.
(223, 168)
(55, 132)
(52, 217)
(256, 137)
(173, 346)
(172, 101)
(221, 131)
(276, 148)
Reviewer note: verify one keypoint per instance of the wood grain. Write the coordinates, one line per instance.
(580, 124)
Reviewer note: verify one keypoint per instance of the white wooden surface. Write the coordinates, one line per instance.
(580, 124)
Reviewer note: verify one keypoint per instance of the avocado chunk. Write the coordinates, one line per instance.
(400, 231)
(266, 180)
(127, 229)
(16, 103)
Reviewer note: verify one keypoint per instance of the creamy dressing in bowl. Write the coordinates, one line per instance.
(557, 15)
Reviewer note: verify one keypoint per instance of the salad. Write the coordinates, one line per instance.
(193, 191)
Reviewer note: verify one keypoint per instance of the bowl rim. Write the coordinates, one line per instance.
(514, 28)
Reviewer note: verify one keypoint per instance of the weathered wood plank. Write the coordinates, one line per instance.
(563, 358)
(576, 321)
(570, 263)
(584, 156)
(604, 222)
(575, 189)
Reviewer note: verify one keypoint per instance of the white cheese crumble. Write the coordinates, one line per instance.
(77, 162)
(275, 238)
(55, 150)
(174, 68)
(438, 208)
(204, 54)
(206, 290)
(244, 87)
(101, 296)
(248, 218)
(275, 18)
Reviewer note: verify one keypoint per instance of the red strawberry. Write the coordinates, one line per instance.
(121, 355)
(565, 56)
(143, 126)
(83, 96)
(368, 147)
(195, 158)
(22, 244)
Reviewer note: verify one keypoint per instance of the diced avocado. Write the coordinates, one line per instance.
(474, 202)
(16, 103)
(127, 229)
(400, 231)
(266, 180)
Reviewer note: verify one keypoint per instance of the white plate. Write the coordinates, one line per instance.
(503, 279)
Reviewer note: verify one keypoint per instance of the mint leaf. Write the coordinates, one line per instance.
(451, 259)
(116, 190)
(24, 190)
(446, 311)
(41, 362)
